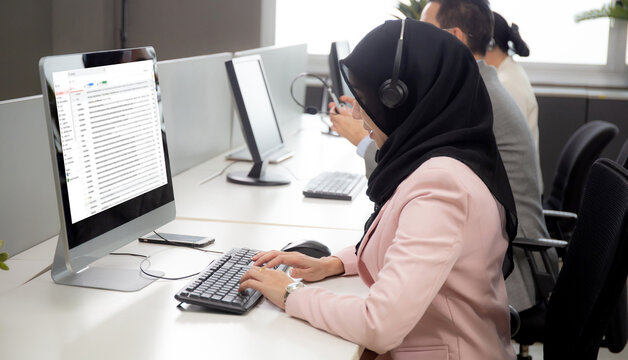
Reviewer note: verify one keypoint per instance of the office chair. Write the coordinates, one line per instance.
(616, 335)
(593, 276)
(574, 162)
(622, 159)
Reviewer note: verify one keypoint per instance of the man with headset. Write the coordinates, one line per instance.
(471, 21)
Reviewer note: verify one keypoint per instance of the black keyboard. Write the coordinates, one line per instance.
(216, 287)
(335, 185)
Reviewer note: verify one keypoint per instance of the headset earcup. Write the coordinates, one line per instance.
(393, 96)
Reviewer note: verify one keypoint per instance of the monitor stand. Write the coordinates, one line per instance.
(257, 177)
(329, 131)
(108, 278)
(106, 274)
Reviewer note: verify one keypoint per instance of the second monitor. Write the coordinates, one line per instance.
(339, 50)
(257, 119)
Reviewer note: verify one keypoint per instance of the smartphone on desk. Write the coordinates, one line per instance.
(177, 240)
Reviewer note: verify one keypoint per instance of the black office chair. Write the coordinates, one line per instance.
(622, 159)
(616, 335)
(594, 273)
(581, 150)
(575, 160)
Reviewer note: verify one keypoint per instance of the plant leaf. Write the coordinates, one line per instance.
(3, 266)
(616, 10)
(1, 243)
(412, 10)
(3, 256)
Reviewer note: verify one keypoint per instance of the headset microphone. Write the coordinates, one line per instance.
(311, 110)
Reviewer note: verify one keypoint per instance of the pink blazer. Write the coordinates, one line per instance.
(432, 261)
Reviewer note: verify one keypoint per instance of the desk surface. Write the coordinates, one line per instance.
(43, 320)
(27, 265)
(283, 205)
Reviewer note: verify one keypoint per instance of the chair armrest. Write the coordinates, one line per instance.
(539, 244)
(543, 269)
(560, 215)
(560, 224)
(515, 321)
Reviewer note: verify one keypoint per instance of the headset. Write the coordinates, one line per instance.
(393, 92)
(310, 109)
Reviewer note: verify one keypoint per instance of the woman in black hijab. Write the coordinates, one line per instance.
(433, 250)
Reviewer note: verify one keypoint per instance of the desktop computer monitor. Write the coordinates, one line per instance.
(110, 160)
(257, 119)
(339, 50)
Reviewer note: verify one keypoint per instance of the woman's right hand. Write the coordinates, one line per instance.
(305, 267)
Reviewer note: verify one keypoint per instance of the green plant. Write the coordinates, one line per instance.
(617, 9)
(413, 9)
(3, 257)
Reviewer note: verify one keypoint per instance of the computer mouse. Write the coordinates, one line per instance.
(310, 248)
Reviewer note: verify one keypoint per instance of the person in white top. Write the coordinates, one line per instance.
(511, 74)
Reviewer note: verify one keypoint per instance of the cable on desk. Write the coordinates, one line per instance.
(212, 177)
(147, 258)
(163, 277)
(290, 172)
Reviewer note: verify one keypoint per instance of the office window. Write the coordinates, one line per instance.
(552, 34)
(547, 26)
(320, 22)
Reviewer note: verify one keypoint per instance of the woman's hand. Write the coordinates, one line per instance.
(345, 124)
(271, 283)
(303, 266)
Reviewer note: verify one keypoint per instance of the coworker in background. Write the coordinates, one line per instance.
(511, 74)
(514, 140)
(433, 250)
(471, 21)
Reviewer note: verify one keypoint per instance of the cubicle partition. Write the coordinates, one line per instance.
(28, 203)
(198, 115)
(197, 108)
(200, 124)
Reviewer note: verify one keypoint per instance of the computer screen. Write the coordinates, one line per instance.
(281, 65)
(259, 108)
(339, 50)
(257, 118)
(108, 147)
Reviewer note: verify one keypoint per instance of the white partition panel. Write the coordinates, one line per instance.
(28, 203)
(281, 64)
(197, 108)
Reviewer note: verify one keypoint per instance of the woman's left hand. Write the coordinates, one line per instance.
(270, 282)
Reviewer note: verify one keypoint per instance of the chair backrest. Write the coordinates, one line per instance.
(622, 159)
(581, 150)
(595, 268)
(616, 335)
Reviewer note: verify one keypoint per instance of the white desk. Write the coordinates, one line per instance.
(43, 320)
(27, 264)
(283, 205)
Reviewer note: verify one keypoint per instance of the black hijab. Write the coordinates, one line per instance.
(447, 112)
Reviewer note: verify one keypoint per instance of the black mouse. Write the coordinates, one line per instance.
(310, 248)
